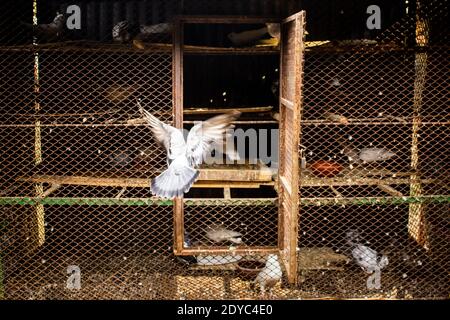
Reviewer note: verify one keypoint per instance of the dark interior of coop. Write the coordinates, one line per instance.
(88, 128)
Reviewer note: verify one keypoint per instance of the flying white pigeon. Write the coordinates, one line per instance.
(184, 156)
(270, 274)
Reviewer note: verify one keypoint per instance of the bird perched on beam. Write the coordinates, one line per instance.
(49, 31)
(125, 31)
(365, 155)
(184, 156)
(219, 233)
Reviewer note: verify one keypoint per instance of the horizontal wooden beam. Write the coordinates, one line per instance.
(242, 109)
(234, 176)
(357, 181)
(192, 251)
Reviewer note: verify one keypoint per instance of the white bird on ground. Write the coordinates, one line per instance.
(367, 258)
(218, 233)
(184, 156)
(270, 274)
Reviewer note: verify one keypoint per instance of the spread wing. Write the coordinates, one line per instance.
(205, 134)
(170, 137)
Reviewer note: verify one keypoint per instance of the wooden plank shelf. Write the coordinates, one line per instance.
(151, 48)
(144, 48)
(213, 176)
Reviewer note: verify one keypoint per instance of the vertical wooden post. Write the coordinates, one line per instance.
(291, 67)
(177, 92)
(2, 290)
(416, 218)
(37, 227)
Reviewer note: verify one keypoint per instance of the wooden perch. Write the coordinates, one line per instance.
(136, 182)
(120, 194)
(202, 110)
(215, 176)
(337, 193)
(390, 190)
(47, 192)
(357, 181)
(242, 109)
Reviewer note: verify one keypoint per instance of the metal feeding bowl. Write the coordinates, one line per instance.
(324, 168)
(249, 269)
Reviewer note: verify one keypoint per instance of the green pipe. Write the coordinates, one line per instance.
(221, 202)
(128, 201)
(375, 200)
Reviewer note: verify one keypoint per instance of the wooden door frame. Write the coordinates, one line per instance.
(177, 112)
(292, 188)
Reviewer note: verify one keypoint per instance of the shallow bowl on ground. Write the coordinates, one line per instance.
(323, 168)
(249, 269)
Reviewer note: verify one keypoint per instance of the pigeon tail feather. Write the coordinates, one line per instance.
(174, 181)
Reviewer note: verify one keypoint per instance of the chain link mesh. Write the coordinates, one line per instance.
(76, 159)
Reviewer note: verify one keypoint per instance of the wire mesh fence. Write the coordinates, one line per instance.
(78, 220)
